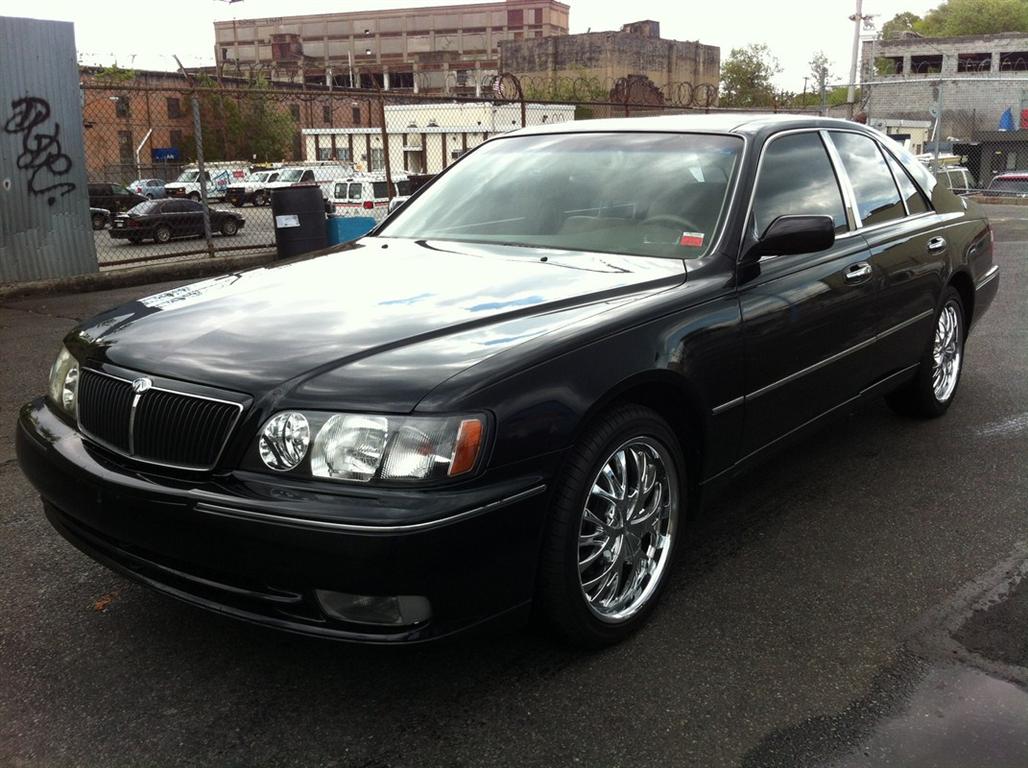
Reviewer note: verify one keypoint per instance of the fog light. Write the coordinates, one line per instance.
(388, 611)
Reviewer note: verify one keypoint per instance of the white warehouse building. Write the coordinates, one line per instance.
(425, 138)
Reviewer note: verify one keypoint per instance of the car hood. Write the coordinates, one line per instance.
(379, 323)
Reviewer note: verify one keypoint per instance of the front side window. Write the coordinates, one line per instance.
(291, 175)
(797, 179)
(627, 193)
(355, 191)
(379, 190)
(878, 200)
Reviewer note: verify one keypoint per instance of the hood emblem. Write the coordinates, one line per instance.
(140, 385)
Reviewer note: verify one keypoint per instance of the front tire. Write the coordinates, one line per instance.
(162, 234)
(99, 221)
(613, 528)
(194, 196)
(929, 394)
(259, 198)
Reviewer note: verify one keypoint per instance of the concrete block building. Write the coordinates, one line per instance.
(976, 77)
(636, 51)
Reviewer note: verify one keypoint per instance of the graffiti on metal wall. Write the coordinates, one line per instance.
(41, 150)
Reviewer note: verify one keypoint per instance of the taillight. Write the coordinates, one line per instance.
(368, 205)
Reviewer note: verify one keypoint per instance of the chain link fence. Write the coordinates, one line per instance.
(364, 147)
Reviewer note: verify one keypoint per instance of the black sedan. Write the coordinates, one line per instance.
(162, 220)
(515, 392)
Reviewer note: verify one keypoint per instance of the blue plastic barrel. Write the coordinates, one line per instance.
(343, 229)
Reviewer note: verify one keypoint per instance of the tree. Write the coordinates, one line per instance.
(746, 77)
(240, 126)
(899, 24)
(821, 73)
(962, 17)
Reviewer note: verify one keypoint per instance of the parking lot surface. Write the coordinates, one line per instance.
(853, 601)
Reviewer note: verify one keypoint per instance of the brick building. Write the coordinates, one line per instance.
(637, 52)
(131, 120)
(442, 49)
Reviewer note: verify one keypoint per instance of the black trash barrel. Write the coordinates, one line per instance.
(298, 214)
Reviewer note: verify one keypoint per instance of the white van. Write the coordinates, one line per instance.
(219, 176)
(366, 195)
(322, 175)
(252, 189)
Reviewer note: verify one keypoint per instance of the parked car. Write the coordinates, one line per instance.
(958, 179)
(516, 392)
(112, 197)
(163, 220)
(99, 217)
(366, 195)
(252, 189)
(1012, 184)
(151, 189)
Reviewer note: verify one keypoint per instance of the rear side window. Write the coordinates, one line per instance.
(915, 203)
(403, 187)
(878, 200)
(339, 191)
(379, 190)
(356, 191)
(307, 176)
(796, 179)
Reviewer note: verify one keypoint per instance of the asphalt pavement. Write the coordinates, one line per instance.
(855, 601)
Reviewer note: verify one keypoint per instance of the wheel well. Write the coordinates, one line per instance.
(673, 405)
(962, 282)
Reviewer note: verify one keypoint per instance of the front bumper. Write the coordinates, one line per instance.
(256, 550)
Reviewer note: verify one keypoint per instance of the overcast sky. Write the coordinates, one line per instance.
(145, 34)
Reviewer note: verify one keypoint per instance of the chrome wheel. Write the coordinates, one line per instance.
(946, 352)
(627, 527)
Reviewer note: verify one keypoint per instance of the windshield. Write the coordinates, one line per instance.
(645, 194)
(293, 174)
(257, 177)
(188, 176)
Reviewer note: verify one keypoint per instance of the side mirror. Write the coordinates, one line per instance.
(790, 235)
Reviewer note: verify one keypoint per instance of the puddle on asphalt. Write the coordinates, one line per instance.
(956, 697)
(956, 717)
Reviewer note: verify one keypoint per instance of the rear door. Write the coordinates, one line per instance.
(909, 248)
(808, 319)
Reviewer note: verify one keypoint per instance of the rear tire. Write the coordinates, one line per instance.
(162, 234)
(615, 520)
(229, 227)
(929, 394)
(260, 198)
(99, 221)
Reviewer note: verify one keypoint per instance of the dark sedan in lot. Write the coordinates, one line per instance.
(517, 389)
(163, 220)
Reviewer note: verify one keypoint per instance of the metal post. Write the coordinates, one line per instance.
(385, 149)
(938, 128)
(198, 135)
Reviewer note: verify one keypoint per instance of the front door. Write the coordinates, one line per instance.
(808, 319)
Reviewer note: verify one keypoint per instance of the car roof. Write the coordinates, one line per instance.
(743, 123)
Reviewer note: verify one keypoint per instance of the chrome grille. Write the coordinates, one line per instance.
(157, 425)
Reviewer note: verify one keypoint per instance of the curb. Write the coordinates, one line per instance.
(124, 278)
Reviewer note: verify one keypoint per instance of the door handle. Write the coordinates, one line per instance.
(936, 243)
(858, 272)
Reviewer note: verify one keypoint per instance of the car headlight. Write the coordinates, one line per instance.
(64, 380)
(363, 448)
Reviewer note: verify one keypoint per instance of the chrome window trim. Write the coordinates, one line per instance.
(884, 224)
(745, 229)
(895, 181)
(132, 419)
(225, 510)
(838, 355)
(849, 196)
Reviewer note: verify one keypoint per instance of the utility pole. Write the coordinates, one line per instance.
(857, 18)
